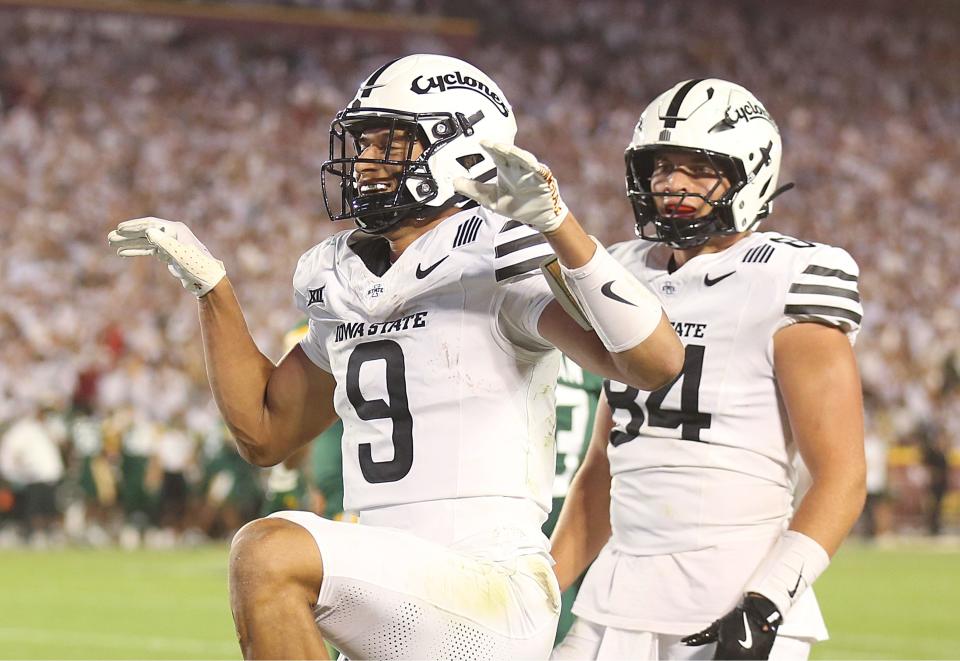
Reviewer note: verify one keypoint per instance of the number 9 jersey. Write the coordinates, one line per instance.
(708, 458)
(444, 386)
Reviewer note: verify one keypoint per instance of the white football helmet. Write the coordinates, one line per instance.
(727, 124)
(449, 105)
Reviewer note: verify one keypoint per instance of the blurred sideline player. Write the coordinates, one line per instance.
(232, 494)
(432, 337)
(577, 394)
(697, 476)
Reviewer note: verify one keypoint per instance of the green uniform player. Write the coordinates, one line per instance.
(286, 490)
(577, 395)
(231, 486)
(326, 472)
(314, 485)
(137, 447)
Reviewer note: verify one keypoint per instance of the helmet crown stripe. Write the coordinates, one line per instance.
(368, 85)
(677, 101)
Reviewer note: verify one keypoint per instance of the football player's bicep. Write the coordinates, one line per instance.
(299, 400)
(817, 375)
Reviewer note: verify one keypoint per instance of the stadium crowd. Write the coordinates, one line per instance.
(105, 118)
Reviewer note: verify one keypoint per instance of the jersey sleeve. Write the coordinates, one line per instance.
(520, 305)
(825, 291)
(315, 347)
(518, 251)
(313, 342)
(524, 293)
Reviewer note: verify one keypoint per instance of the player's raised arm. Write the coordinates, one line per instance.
(271, 410)
(633, 340)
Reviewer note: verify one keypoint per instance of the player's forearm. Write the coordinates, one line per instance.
(653, 363)
(802, 553)
(583, 526)
(572, 245)
(629, 320)
(831, 507)
(238, 372)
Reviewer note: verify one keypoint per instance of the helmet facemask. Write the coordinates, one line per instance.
(449, 107)
(681, 231)
(377, 211)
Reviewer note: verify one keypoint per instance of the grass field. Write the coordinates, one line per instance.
(900, 603)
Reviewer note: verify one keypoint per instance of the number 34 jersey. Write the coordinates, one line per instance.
(709, 456)
(444, 386)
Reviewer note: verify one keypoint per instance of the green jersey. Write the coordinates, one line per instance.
(326, 469)
(577, 395)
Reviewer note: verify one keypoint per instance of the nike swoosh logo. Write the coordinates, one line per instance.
(423, 273)
(794, 590)
(747, 641)
(710, 282)
(607, 290)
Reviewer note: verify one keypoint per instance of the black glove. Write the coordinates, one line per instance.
(746, 632)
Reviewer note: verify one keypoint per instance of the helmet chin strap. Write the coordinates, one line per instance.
(423, 215)
(765, 210)
(780, 191)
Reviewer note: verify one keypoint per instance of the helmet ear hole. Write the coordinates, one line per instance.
(469, 160)
(443, 129)
(426, 187)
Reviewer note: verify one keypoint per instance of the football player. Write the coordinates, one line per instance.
(684, 498)
(432, 336)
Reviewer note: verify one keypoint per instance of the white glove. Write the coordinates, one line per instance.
(525, 189)
(173, 243)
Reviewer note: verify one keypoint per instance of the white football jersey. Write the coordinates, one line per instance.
(444, 386)
(709, 457)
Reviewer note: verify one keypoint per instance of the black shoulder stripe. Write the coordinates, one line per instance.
(677, 101)
(368, 85)
(833, 273)
(825, 290)
(759, 254)
(525, 266)
(510, 224)
(458, 239)
(823, 311)
(467, 232)
(519, 244)
(477, 224)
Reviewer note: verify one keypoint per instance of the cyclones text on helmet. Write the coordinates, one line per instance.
(444, 103)
(723, 123)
